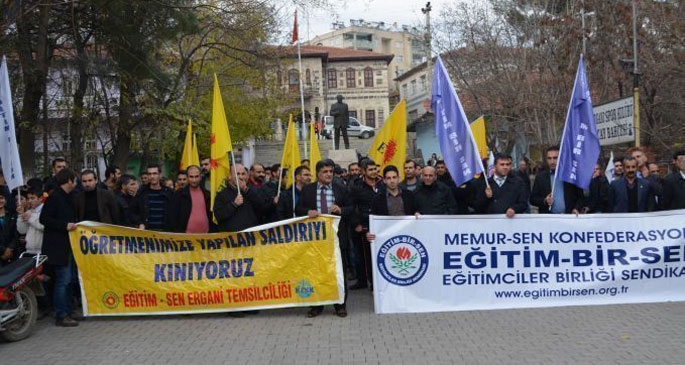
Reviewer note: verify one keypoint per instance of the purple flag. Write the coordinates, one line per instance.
(457, 145)
(579, 145)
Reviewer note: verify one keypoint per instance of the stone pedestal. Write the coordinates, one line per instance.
(343, 157)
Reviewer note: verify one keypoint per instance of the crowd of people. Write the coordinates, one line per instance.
(38, 217)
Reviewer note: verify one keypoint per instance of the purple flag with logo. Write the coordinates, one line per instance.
(579, 145)
(457, 145)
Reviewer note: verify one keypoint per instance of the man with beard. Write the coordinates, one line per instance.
(191, 205)
(630, 194)
(93, 204)
(285, 202)
(239, 206)
(567, 198)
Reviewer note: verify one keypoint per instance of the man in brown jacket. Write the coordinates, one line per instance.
(93, 204)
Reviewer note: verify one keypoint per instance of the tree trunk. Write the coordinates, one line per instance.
(122, 143)
(77, 118)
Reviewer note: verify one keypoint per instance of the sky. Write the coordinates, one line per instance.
(403, 12)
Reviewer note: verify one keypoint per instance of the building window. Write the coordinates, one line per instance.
(308, 77)
(350, 77)
(404, 91)
(293, 80)
(92, 162)
(381, 115)
(353, 114)
(423, 83)
(332, 78)
(371, 118)
(413, 87)
(400, 59)
(368, 77)
(379, 81)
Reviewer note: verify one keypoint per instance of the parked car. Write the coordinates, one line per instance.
(354, 129)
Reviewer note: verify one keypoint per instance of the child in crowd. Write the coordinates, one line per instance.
(28, 223)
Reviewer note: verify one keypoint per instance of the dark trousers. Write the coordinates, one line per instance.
(343, 305)
(345, 139)
(362, 254)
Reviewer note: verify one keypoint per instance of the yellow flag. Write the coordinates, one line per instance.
(189, 156)
(390, 145)
(314, 152)
(220, 144)
(291, 152)
(478, 129)
(195, 155)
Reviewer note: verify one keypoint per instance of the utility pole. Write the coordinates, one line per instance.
(636, 80)
(429, 73)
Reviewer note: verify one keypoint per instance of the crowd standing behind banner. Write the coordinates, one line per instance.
(48, 209)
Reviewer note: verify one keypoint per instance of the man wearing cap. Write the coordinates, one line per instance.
(341, 120)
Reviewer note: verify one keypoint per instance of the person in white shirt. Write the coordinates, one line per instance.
(29, 224)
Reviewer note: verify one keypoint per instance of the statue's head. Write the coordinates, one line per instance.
(340, 98)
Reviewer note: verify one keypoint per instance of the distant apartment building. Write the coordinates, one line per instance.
(361, 77)
(404, 42)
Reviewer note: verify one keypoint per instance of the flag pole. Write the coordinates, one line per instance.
(293, 187)
(563, 136)
(235, 171)
(280, 178)
(299, 60)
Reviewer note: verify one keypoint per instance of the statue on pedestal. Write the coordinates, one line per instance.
(341, 120)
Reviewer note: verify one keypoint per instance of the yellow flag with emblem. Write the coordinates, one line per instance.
(220, 145)
(291, 152)
(390, 145)
(189, 156)
(478, 129)
(195, 154)
(315, 153)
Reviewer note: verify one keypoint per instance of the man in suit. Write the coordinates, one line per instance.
(630, 194)
(58, 219)
(506, 193)
(567, 198)
(674, 184)
(341, 120)
(93, 204)
(324, 197)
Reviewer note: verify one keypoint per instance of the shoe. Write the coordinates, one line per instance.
(341, 312)
(77, 317)
(236, 314)
(358, 286)
(314, 312)
(66, 322)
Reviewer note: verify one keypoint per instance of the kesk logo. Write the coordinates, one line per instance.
(110, 299)
(304, 289)
(402, 260)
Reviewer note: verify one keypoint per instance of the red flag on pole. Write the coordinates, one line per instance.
(295, 35)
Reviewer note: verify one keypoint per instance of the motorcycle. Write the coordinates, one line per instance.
(19, 285)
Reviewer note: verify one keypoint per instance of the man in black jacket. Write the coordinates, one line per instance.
(432, 196)
(506, 193)
(191, 212)
(152, 206)
(58, 218)
(391, 200)
(127, 188)
(567, 198)
(94, 204)
(238, 210)
(285, 202)
(674, 184)
(598, 200)
(324, 197)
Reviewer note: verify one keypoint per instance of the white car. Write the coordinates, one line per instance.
(354, 128)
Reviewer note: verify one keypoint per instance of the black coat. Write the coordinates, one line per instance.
(673, 196)
(511, 194)
(285, 203)
(341, 115)
(233, 218)
(307, 200)
(436, 198)
(58, 211)
(361, 195)
(9, 236)
(573, 195)
(183, 205)
(124, 201)
(598, 201)
(379, 206)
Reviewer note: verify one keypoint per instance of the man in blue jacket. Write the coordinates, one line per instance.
(630, 194)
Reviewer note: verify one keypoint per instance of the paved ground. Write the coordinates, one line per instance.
(619, 334)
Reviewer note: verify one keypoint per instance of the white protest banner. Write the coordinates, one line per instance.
(454, 263)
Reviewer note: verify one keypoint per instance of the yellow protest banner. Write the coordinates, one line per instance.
(126, 271)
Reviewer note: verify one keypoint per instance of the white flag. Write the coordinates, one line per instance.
(9, 151)
(491, 164)
(609, 172)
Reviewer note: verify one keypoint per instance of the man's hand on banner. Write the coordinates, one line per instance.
(335, 209)
(370, 237)
(71, 226)
(313, 213)
(510, 213)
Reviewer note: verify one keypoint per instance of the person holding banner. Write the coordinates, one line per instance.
(58, 219)
(674, 184)
(236, 210)
(393, 200)
(325, 197)
(432, 196)
(631, 194)
(94, 204)
(568, 199)
(505, 194)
